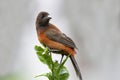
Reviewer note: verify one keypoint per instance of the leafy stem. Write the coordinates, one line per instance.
(57, 71)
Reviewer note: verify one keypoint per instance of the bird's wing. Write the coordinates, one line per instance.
(60, 37)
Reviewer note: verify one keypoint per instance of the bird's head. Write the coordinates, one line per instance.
(43, 19)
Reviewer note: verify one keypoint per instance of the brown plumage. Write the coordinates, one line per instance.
(49, 35)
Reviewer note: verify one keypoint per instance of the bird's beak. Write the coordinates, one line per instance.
(49, 18)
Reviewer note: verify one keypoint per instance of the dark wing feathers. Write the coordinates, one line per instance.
(60, 37)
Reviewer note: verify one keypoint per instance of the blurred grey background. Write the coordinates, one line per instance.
(94, 25)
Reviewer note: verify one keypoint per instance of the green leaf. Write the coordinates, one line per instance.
(44, 56)
(58, 71)
(41, 58)
(38, 48)
(62, 72)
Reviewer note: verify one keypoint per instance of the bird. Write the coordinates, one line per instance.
(50, 36)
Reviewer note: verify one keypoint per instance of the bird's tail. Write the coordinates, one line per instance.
(76, 67)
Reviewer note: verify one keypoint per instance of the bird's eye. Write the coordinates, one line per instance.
(42, 16)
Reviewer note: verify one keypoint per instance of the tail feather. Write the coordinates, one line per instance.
(76, 67)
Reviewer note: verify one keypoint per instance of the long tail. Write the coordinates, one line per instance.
(76, 67)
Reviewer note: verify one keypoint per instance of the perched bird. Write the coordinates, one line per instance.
(50, 36)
